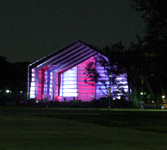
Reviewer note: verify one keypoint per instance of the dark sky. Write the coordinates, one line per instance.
(31, 29)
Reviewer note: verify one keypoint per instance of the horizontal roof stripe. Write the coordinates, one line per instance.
(74, 62)
(34, 64)
(74, 58)
(71, 55)
(74, 55)
(60, 54)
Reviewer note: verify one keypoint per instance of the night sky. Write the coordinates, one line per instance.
(32, 29)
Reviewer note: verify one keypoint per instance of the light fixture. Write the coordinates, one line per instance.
(7, 91)
(163, 96)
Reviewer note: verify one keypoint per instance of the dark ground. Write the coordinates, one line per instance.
(76, 128)
(154, 120)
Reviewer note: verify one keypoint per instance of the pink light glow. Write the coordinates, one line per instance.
(85, 92)
(58, 98)
(39, 96)
(56, 87)
(41, 75)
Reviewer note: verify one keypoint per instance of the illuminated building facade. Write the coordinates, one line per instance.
(60, 75)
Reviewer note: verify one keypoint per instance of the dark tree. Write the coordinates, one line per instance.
(13, 77)
(20, 76)
(5, 75)
(154, 46)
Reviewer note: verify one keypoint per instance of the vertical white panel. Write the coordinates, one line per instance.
(69, 83)
(32, 84)
(51, 86)
(45, 82)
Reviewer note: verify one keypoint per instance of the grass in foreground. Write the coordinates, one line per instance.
(140, 120)
(154, 121)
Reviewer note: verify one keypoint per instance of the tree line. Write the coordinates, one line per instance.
(13, 76)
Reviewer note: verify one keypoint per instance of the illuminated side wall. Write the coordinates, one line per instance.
(101, 89)
(85, 92)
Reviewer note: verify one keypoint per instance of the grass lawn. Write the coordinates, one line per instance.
(147, 120)
(74, 129)
(154, 121)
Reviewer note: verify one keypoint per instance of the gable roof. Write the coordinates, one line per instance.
(67, 57)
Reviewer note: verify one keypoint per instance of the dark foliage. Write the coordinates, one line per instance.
(13, 77)
(153, 46)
